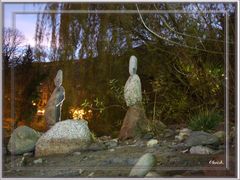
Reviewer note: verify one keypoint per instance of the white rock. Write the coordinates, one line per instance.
(38, 161)
(77, 153)
(115, 140)
(152, 174)
(112, 143)
(111, 150)
(143, 165)
(64, 137)
(22, 162)
(80, 171)
(184, 151)
(183, 134)
(27, 154)
(185, 130)
(201, 150)
(152, 142)
(91, 174)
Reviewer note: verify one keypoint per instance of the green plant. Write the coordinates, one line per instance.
(117, 91)
(93, 137)
(96, 105)
(205, 120)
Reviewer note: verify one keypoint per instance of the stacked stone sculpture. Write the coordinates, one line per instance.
(132, 89)
(134, 123)
(55, 102)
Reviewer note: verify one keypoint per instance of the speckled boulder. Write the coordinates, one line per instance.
(64, 137)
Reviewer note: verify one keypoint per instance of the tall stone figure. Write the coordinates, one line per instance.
(134, 123)
(55, 102)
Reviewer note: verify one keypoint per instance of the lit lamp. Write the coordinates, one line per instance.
(40, 112)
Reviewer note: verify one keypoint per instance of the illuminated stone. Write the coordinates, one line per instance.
(64, 137)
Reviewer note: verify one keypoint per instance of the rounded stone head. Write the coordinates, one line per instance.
(58, 79)
(133, 65)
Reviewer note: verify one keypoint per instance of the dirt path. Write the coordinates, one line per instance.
(114, 162)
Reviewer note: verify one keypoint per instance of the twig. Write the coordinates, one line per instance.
(188, 35)
(173, 42)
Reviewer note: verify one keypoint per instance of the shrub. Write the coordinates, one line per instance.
(205, 121)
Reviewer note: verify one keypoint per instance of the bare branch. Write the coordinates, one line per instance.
(173, 42)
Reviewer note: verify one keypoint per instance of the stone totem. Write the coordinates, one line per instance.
(55, 102)
(134, 123)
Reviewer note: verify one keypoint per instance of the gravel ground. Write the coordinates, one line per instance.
(115, 162)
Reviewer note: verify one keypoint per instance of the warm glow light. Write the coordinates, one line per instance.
(78, 113)
(33, 103)
(40, 112)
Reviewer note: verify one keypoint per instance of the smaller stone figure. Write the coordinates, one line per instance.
(55, 102)
(135, 119)
(132, 89)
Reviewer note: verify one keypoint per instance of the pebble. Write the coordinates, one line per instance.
(85, 158)
(38, 161)
(27, 154)
(77, 153)
(152, 174)
(22, 162)
(111, 144)
(184, 151)
(91, 174)
(152, 142)
(81, 171)
(183, 134)
(111, 150)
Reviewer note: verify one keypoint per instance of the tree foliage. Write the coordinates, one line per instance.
(180, 49)
(183, 49)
